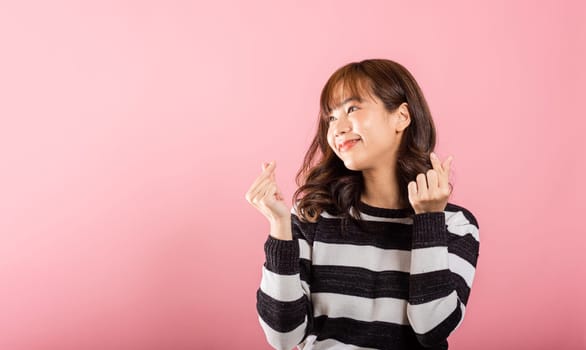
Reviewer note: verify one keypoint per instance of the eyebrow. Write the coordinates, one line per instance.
(351, 98)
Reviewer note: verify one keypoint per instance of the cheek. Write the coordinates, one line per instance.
(331, 140)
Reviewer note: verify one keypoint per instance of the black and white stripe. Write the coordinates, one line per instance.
(401, 283)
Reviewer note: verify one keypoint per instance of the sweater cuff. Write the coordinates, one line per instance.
(429, 230)
(282, 256)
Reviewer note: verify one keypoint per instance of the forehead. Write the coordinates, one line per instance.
(344, 91)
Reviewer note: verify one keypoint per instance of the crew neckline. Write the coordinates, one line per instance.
(384, 212)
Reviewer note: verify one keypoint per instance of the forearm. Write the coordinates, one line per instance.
(281, 303)
(434, 309)
(443, 264)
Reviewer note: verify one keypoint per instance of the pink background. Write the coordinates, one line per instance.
(131, 130)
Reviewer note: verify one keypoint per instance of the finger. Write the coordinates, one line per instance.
(432, 180)
(273, 172)
(255, 192)
(442, 170)
(273, 165)
(445, 177)
(448, 164)
(412, 190)
(280, 196)
(421, 186)
(268, 197)
(264, 167)
(267, 181)
(265, 193)
(435, 162)
(265, 174)
(267, 164)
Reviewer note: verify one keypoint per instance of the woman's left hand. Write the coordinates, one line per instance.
(431, 191)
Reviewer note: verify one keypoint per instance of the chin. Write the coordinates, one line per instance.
(353, 166)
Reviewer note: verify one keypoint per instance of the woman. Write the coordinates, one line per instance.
(371, 255)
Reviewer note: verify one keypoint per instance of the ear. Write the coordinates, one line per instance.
(403, 117)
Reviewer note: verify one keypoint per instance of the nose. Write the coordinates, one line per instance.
(342, 126)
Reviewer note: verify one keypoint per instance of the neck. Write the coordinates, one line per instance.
(381, 189)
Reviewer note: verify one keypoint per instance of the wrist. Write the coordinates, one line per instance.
(281, 228)
(429, 229)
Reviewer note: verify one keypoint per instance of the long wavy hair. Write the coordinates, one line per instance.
(325, 184)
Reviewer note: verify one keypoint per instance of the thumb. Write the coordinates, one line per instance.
(273, 172)
(265, 165)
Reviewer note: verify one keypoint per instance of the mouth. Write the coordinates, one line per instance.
(346, 145)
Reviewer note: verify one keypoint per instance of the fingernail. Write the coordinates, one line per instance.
(433, 155)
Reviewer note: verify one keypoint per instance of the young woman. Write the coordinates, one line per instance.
(371, 255)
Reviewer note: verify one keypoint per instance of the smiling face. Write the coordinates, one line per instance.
(362, 132)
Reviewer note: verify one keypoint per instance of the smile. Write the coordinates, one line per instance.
(348, 145)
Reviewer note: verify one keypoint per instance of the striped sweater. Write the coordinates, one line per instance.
(400, 282)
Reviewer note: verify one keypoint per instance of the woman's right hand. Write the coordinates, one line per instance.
(265, 196)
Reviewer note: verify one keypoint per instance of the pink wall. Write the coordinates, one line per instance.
(131, 130)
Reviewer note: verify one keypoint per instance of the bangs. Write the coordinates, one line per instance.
(344, 84)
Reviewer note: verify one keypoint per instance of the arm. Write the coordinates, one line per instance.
(443, 262)
(283, 299)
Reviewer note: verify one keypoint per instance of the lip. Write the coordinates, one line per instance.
(346, 145)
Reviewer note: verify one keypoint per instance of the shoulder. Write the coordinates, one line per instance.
(461, 222)
(296, 215)
(458, 213)
(302, 228)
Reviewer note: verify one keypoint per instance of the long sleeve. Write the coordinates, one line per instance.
(444, 254)
(283, 299)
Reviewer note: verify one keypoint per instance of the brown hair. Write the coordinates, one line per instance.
(324, 181)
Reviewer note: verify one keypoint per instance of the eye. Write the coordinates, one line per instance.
(350, 109)
(331, 118)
